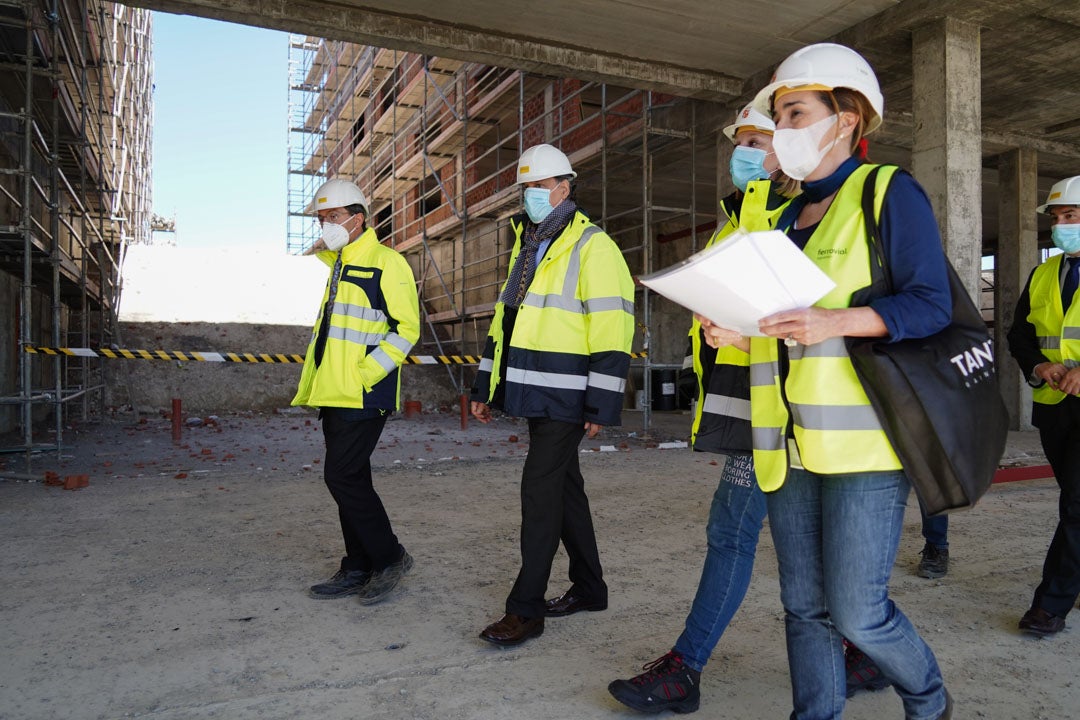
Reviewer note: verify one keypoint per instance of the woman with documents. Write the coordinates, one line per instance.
(836, 491)
(721, 425)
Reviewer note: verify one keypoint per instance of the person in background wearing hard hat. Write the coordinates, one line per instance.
(721, 425)
(836, 491)
(557, 354)
(369, 319)
(1045, 340)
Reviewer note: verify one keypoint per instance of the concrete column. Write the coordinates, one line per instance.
(946, 155)
(1017, 253)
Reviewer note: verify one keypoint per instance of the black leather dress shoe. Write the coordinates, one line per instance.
(567, 604)
(1039, 622)
(513, 630)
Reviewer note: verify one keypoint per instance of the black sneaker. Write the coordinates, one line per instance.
(666, 684)
(862, 673)
(342, 584)
(384, 581)
(934, 563)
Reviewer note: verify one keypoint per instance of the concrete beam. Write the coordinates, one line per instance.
(946, 155)
(400, 32)
(1017, 253)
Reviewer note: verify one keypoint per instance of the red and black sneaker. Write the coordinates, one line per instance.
(862, 673)
(666, 684)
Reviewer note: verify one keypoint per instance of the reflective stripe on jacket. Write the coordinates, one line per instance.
(835, 428)
(1058, 331)
(722, 416)
(570, 350)
(374, 323)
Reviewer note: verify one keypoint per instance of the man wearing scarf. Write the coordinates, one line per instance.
(557, 354)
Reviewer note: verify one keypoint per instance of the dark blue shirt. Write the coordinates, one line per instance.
(922, 304)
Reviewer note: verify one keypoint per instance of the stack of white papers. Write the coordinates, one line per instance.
(743, 278)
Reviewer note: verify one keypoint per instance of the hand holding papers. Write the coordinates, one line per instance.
(746, 277)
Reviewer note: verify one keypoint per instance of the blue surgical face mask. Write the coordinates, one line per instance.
(1066, 237)
(538, 203)
(748, 164)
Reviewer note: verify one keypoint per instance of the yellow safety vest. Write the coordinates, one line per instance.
(834, 426)
(374, 323)
(569, 353)
(1058, 330)
(722, 415)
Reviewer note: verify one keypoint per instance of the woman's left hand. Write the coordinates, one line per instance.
(805, 326)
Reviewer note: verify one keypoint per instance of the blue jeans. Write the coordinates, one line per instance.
(836, 538)
(935, 530)
(738, 510)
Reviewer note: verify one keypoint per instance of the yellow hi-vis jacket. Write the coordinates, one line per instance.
(374, 323)
(835, 428)
(722, 415)
(1058, 330)
(569, 352)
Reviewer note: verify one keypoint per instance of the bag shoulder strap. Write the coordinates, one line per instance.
(873, 198)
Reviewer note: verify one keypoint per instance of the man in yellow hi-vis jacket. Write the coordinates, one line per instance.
(368, 321)
(557, 354)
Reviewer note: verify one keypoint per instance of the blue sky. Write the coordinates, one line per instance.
(220, 131)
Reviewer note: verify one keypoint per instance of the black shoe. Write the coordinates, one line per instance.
(568, 604)
(342, 584)
(384, 581)
(1037, 621)
(512, 630)
(934, 563)
(862, 673)
(666, 684)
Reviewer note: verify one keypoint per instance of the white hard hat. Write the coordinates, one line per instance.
(750, 117)
(825, 66)
(1064, 192)
(541, 162)
(338, 194)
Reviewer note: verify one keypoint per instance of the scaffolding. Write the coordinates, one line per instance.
(76, 116)
(434, 144)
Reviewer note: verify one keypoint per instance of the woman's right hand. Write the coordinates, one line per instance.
(481, 411)
(716, 336)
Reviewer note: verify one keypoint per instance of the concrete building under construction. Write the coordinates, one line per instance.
(434, 143)
(76, 116)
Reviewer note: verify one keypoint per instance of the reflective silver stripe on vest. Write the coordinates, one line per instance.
(359, 312)
(398, 342)
(1071, 363)
(831, 348)
(835, 417)
(763, 374)
(354, 336)
(606, 382)
(486, 364)
(768, 438)
(1070, 333)
(383, 358)
(688, 362)
(567, 299)
(1049, 342)
(561, 381)
(726, 405)
(609, 303)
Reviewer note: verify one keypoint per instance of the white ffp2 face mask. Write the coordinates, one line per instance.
(799, 151)
(334, 236)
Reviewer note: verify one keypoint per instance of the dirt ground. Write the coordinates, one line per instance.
(174, 585)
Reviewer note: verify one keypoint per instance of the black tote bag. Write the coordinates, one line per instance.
(937, 398)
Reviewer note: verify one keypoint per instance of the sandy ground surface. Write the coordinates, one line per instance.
(174, 585)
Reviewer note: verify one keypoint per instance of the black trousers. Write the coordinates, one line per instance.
(1059, 430)
(370, 543)
(554, 507)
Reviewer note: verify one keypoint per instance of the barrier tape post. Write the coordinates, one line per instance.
(176, 428)
(464, 400)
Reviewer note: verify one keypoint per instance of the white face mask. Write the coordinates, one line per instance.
(334, 236)
(799, 150)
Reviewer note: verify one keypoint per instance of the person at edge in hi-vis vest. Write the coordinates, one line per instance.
(557, 353)
(368, 321)
(835, 490)
(1045, 340)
